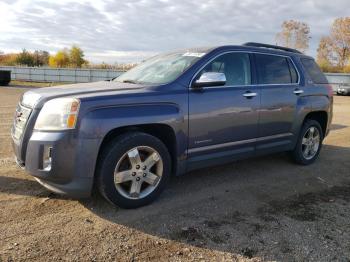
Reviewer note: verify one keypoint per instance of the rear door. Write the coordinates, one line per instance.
(280, 90)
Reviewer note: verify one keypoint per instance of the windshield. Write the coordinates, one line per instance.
(160, 69)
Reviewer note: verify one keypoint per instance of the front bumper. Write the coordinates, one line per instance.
(77, 188)
(72, 162)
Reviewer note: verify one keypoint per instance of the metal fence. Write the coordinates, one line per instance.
(43, 74)
(338, 78)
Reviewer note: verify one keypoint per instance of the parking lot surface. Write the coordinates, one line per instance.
(259, 209)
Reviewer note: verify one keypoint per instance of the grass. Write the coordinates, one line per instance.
(18, 83)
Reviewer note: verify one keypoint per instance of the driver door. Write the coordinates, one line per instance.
(223, 120)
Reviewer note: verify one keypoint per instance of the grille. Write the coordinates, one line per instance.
(21, 117)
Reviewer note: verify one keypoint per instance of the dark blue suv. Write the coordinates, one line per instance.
(173, 113)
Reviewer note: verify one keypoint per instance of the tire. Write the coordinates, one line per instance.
(299, 154)
(119, 162)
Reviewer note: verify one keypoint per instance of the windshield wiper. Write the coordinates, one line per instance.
(129, 81)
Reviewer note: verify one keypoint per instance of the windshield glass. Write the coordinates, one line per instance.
(160, 69)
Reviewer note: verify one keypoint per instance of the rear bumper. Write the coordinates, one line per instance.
(72, 162)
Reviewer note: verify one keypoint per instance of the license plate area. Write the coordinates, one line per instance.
(21, 118)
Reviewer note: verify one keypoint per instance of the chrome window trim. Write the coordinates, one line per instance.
(247, 52)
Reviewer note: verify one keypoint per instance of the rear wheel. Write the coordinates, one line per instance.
(309, 143)
(133, 170)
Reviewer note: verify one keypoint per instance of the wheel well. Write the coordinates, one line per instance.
(321, 117)
(162, 131)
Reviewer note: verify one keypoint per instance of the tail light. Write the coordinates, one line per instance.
(330, 90)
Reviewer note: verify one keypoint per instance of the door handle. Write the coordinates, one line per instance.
(249, 94)
(298, 91)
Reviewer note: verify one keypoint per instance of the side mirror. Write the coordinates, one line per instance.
(210, 79)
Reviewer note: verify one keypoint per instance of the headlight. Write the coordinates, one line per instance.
(58, 114)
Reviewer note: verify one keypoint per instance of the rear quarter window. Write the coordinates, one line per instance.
(313, 71)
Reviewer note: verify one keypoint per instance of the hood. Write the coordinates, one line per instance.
(32, 97)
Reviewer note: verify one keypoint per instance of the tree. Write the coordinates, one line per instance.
(8, 59)
(73, 57)
(333, 53)
(340, 40)
(25, 58)
(61, 59)
(294, 34)
(324, 54)
(76, 56)
(41, 58)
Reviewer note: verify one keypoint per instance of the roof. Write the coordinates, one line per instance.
(250, 46)
(271, 50)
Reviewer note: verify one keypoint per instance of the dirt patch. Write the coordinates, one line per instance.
(305, 207)
(248, 252)
(189, 234)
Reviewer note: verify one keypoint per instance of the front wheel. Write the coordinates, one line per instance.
(309, 143)
(133, 170)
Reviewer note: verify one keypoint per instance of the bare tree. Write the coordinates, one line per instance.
(324, 54)
(333, 53)
(340, 40)
(41, 58)
(294, 34)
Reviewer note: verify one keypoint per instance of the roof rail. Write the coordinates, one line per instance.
(272, 46)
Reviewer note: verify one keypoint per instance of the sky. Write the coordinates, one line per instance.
(119, 31)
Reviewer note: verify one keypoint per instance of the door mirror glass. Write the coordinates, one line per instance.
(210, 79)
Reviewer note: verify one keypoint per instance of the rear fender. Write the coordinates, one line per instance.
(303, 107)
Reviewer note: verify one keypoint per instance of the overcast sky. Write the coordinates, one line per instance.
(131, 30)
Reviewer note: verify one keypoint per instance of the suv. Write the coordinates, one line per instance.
(173, 113)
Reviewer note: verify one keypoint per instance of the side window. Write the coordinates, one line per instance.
(293, 72)
(273, 69)
(235, 66)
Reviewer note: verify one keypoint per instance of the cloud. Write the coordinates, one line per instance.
(133, 29)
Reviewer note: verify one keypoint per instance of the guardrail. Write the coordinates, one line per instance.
(74, 75)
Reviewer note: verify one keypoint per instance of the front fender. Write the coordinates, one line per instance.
(98, 122)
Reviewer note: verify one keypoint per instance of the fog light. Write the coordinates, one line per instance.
(47, 154)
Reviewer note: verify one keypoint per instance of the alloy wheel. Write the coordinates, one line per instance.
(138, 172)
(310, 143)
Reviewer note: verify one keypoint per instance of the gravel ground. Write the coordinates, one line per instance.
(259, 209)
